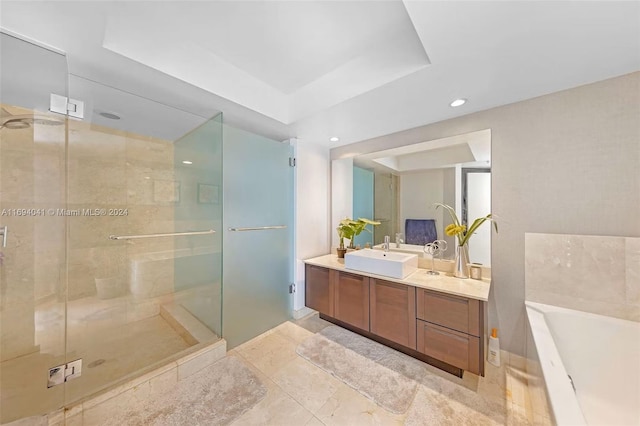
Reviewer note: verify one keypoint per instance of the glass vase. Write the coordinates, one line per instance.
(461, 261)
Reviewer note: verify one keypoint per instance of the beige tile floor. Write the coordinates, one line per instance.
(299, 393)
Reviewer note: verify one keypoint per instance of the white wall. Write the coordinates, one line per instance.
(418, 194)
(567, 163)
(311, 209)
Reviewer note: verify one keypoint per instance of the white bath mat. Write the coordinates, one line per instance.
(376, 371)
(217, 395)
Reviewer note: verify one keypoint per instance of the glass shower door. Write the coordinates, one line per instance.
(140, 250)
(109, 258)
(32, 244)
(258, 235)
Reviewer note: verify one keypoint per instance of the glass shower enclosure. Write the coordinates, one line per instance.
(110, 233)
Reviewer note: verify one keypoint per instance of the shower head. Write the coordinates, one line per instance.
(16, 122)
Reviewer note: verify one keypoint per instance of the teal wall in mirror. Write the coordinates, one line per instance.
(363, 201)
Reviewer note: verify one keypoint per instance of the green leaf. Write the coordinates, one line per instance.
(349, 228)
(475, 225)
(369, 221)
(452, 213)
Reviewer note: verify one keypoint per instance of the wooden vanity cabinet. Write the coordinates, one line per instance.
(320, 289)
(352, 300)
(393, 311)
(429, 325)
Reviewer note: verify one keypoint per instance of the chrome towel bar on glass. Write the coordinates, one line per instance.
(173, 234)
(258, 228)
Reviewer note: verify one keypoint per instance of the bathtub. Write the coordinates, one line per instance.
(598, 355)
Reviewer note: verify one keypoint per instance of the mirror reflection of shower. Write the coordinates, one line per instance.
(410, 179)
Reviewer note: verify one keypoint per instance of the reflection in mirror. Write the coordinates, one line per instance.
(363, 202)
(404, 183)
(476, 202)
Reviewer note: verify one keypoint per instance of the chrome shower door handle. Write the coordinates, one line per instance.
(258, 228)
(3, 232)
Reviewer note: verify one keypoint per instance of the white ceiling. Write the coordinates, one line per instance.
(352, 69)
(285, 60)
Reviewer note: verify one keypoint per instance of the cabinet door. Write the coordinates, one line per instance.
(319, 289)
(393, 311)
(352, 300)
(454, 348)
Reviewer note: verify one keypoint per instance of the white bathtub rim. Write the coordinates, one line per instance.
(543, 307)
(562, 397)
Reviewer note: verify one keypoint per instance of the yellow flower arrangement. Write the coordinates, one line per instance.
(460, 230)
(454, 229)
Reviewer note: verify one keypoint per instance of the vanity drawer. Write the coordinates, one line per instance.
(454, 348)
(457, 313)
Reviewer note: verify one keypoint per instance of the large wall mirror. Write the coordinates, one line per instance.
(394, 185)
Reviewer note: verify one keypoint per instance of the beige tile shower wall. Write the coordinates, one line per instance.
(596, 274)
(110, 169)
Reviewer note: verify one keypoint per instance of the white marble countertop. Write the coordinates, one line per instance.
(473, 289)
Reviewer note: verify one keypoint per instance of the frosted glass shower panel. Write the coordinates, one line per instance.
(198, 267)
(363, 202)
(257, 239)
(33, 260)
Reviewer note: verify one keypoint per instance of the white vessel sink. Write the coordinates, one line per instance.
(404, 248)
(386, 263)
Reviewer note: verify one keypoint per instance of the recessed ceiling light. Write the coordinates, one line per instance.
(458, 102)
(334, 139)
(110, 115)
(187, 162)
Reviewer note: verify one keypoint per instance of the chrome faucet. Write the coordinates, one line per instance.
(385, 246)
(399, 239)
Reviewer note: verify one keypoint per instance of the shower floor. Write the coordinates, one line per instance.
(110, 350)
(110, 355)
(117, 352)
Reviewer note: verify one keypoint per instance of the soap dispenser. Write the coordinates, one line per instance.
(494, 348)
